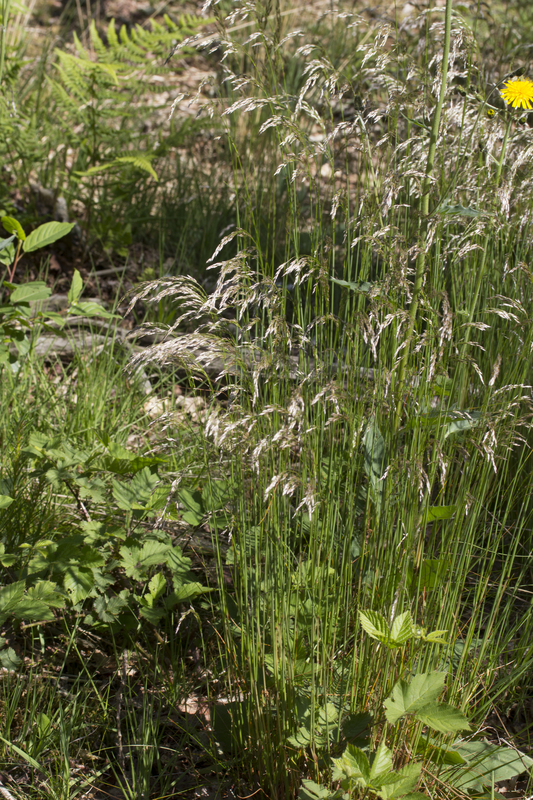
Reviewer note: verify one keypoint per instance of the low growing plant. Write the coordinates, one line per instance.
(391, 774)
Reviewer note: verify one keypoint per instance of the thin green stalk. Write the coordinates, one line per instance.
(481, 273)
(6, 6)
(426, 185)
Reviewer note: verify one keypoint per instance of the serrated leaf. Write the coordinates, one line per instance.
(356, 727)
(157, 586)
(301, 739)
(46, 234)
(375, 625)
(153, 615)
(413, 796)
(78, 582)
(381, 772)
(401, 629)
(47, 592)
(188, 591)
(12, 225)
(136, 494)
(354, 764)
(408, 698)
(313, 791)
(9, 659)
(443, 718)
(10, 598)
(435, 637)
(76, 287)
(36, 290)
(108, 608)
(138, 560)
(406, 780)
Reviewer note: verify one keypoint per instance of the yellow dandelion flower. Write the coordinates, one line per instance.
(518, 93)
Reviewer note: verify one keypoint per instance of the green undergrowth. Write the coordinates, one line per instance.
(316, 581)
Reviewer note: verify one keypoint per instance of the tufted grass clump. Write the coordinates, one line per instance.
(370, 313)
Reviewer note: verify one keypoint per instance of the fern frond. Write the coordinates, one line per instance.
(139, 161)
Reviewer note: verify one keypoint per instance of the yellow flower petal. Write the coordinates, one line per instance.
(518, 93)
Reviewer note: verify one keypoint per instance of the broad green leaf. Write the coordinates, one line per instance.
(46, 234)
(119, 452)
(356, 728)
(413, 796)
(109, 608)
(5, 501)
(406, 780)
(37, 290)
(375, 457)
(9, 659)
(179, 566)
(443, 718)
(12, 225)
(381, 772)
(354, 764)
(33, 610)
(375, 625)
(435, 637)
(457, 208)
(301, 739)
(401, 630)
(48, 592)
(464, 423)
(138, 560)
(439, 755)
(187, 592)
(153, 615)
(217, 494)
(431, 573)
(313, 791)
(7, 254)
(408, 698)
(355, 286)
(78, 582)
(136, 494)
(194, 509)
(44, 724)
(486, 762)
(440, 512)
(157, 586)
(10, 598)
(76, 287)
(6, 242)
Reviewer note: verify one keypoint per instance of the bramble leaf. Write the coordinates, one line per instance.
(408, 698)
